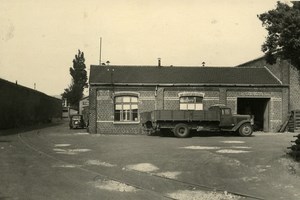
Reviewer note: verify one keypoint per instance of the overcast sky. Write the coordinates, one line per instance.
(39, 38)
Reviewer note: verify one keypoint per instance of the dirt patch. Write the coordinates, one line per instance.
(70, 151)
(62, 145)
(251, 179)
(66, 166)
(232, 151)
(114, 186)
(171, 175)
(233, 142)
(200, 147)
(290, 166)
(142, 167)
(202, 195)
(99, 163)
(240, 147)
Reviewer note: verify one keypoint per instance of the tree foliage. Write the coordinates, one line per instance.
(74, 92)
(283, 26)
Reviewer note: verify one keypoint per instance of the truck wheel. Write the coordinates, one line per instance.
(245, 130)
(181, 130)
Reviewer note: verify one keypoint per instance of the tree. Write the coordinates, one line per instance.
(283, 26)
(74, 92)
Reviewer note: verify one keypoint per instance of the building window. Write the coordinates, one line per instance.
(191, 103)
(126, 109)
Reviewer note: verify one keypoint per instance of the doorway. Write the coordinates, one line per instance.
(258, 108)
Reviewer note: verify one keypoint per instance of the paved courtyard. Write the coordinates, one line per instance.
(58, 163)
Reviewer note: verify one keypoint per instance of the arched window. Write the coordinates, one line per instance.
(126, 108)
(191, 103)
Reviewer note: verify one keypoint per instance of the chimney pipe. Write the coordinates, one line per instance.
(159, 62)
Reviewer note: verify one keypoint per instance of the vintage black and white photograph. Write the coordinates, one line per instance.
(149, 100)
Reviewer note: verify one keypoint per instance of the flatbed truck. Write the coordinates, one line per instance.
(181, 122)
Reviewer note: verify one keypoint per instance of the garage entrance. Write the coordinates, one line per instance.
(259, 108)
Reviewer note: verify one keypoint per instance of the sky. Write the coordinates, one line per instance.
(39, 38)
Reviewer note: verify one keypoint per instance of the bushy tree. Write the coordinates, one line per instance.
(74, 92)
(283, 26)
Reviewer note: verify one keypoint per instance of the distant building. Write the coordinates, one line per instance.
(118, 94)
(83, 104)
(67, 111)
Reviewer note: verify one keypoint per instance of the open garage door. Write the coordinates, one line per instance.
(259, 108)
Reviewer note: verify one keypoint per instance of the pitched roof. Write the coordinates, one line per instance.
(181, 75)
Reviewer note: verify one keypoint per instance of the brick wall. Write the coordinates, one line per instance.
(285, 72)
(102, 100)
(21, 106)
(278, 103)
(294, 88)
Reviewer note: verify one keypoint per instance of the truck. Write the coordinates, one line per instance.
(217, 118)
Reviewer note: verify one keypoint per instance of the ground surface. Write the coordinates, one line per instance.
(58, 163)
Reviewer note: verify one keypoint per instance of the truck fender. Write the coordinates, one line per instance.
(237, 126)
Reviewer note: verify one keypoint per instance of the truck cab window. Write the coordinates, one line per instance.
(226, 111)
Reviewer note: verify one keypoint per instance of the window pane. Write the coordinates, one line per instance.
(199, 106)
(183, 106)
(184, 99)
(134, 115)
(126, 99)
(226, 112)
(117, 115)
(134, 106)
(191, 106)
(119, 99)
(191, 99)
(199, 99)
(118, 106)
(126, 107)
(134, 99)
(126, 115)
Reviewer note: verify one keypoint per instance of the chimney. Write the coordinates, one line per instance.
(159, 62)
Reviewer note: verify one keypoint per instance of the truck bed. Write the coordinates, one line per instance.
(180, 115)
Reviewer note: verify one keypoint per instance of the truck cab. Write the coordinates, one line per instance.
(226, 118)
(229, 121)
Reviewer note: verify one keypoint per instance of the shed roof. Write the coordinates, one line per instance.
(181, 75)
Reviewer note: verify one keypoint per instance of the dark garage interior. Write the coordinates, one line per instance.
(257, 107)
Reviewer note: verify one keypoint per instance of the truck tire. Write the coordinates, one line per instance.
(245, 130)
(181, 130)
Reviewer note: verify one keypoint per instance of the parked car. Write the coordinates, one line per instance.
(76, 121)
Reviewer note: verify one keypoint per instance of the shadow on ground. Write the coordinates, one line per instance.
(15, 131)
(168, 133)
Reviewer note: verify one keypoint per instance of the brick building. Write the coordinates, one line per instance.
(118, 94)
(286, 73)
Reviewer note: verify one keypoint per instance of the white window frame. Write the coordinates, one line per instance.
(127, 108)
(191, 103)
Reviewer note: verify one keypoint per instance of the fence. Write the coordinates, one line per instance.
(294, 121)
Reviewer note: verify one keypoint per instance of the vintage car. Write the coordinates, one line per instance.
(76, 121)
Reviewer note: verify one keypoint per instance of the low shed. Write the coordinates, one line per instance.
(118, 94)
